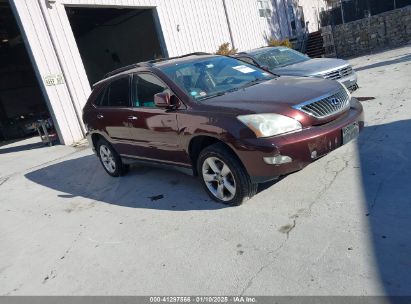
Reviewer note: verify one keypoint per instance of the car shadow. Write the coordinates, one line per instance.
(21, 148)
(384, 63)
(143, 187)
(385, 164)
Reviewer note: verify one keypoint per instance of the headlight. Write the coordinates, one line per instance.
(265, 125)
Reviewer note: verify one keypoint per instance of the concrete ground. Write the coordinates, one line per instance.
(341, 226)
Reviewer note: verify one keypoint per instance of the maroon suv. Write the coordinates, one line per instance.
(229, 122)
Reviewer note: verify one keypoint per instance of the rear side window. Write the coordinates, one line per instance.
(98, 101)
(145, 87)
(117, 94)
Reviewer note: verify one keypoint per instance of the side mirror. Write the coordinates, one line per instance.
(162, 100)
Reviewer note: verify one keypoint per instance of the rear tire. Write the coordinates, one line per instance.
(224, 177)
(110, 159)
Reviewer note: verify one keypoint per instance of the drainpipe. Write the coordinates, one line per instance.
(53, 42)
(279, 19)
(288, 20)
(342, 11)
(228, 24)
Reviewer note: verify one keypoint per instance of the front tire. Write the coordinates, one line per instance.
(110, 159)
(223, 176)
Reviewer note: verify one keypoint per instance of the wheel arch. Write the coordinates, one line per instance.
(199, 142)
(95, 137)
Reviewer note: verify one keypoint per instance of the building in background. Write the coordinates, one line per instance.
(312, 10)
(344, 11)
(73, 43)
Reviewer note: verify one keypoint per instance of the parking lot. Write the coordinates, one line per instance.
(341, 226)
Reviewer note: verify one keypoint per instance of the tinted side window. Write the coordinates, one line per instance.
(98, 101)
(117, 94)
(145, 87)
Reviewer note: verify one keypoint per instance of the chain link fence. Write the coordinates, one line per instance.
(351, 10)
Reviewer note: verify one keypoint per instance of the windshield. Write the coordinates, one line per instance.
(214, 76)
(280, 57)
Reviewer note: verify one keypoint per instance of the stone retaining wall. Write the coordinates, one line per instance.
(389, 29)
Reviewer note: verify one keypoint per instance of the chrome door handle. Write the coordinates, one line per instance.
(132, 118)
(100, 116)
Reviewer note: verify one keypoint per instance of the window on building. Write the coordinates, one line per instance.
(291, 17)
(145, 87)
(264, 8)
(301, 15)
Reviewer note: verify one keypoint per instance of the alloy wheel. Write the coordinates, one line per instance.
(107, 159)
(219, 179)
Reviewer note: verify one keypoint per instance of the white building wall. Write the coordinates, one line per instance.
(186, 26)
(249, 29)
(312, 9)
(46, 62)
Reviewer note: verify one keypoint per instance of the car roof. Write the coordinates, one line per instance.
(162, 62)
(182, 59)
(262, 50)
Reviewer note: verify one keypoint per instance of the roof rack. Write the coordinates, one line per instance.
(122, 69)
(149, 63)
(177, 57)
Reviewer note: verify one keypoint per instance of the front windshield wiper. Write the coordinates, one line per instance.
(220, 93)
(254, 82)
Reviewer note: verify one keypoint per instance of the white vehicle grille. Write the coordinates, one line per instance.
(338, 74)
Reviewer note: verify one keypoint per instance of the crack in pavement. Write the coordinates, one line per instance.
(326, 186)
(53, 273)
(50, 276)
(292, 227)
(288, 228)
(14, 290)
(251, 280)
(4, 180)
(377, 193)
(72, 244)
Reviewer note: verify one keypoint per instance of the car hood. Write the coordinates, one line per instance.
(273, 96)
(311, 67)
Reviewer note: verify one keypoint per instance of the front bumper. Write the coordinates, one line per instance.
(302, 147)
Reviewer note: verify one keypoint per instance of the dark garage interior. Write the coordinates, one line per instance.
(110, 38)
(21, 100)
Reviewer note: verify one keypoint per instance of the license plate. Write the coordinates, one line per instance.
(350, 132)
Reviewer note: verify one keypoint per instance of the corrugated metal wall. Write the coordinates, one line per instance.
(249, 29)
(186, 26)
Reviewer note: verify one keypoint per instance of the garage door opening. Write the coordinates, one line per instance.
(110, 38)
(21, 100)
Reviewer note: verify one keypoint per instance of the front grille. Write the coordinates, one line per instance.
(338, 74)
(326, 106)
